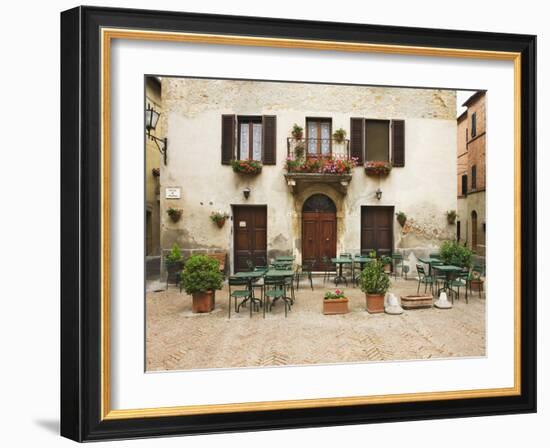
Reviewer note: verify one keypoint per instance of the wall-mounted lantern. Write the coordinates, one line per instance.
(378, 194)
(246, 193)
(151, 121)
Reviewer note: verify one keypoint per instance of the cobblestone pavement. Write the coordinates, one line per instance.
(177, 339)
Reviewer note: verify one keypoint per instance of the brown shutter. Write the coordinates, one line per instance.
(398, 143)
(228, 138)
(269, 140)
(357, 138)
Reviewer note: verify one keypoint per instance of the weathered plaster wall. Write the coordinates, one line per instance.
(424, 189)
(152, 160)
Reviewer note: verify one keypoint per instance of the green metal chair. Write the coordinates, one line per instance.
(306, 269)
(238, 294)
(424, 279)
(397, 260)
(458, 281)
(275, 289)
(435, 255)
(347, 268)
(331, 270)
(437, 277)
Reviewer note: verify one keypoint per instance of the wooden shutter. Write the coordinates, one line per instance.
(228, 138)
(269, 140)
(398, 143)
(357, 138)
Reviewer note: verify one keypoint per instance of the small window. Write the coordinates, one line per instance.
(474, 177)
(466, 138)
(250, 138)
(458, 231)
(464, 184)
(377, 140)
(474, 125)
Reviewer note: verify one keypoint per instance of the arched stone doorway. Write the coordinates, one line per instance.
(318, 230)
(474, 230)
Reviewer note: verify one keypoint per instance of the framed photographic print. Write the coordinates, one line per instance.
(272, 223)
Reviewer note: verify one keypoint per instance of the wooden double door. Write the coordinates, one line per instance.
(377, 230)
(318, 231)
(250, 236)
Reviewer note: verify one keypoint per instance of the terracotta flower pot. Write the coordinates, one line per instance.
(477, 284)
(336, 306)
(220, 222)
(375, 303)
(203, 302)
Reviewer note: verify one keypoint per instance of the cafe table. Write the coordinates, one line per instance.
(429, 261)
(250, 276)
(447, 269)
(340, 261)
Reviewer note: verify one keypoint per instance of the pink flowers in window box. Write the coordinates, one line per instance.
(321, 165)
(379, 168)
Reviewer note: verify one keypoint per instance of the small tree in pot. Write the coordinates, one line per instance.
(200, 278)
(375, 283)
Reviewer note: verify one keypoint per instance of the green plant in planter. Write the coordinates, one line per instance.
(174, 214)
(451, 216)
(201, 274)
(338, 294)
(339, 135)
(174, 256)
(299, 150)
(373, 278)
(455, 254)
(297, 131)
(372, 254)
(401, 218)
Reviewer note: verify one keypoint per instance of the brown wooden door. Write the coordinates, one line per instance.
(318, 230)
(377, 230)
(250, 236)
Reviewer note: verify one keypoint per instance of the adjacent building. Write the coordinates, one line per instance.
(306, 200)
(471, 176)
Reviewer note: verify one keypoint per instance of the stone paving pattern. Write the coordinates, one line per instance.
(177, 339)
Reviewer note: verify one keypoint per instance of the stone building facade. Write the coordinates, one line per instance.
(153, 98)
(471, 137)
(310, 215)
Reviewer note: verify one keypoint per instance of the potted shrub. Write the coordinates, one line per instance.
(297, 131)
(372, 254)
(200, 278)
(219, 218)
(375, 283)
(247, 166)
(401, 218)
(173, 262)
(174, 213)
(455, 254)
(386, 262)
(451, 216)
(377, 168)
(339, 135)
(335, 302)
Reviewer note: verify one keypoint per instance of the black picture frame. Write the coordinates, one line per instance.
(81, 224)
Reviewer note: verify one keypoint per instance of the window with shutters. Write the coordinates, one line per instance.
(474, 125)
(377, 140)
(474, 177)
(464, 185)
(249, 138)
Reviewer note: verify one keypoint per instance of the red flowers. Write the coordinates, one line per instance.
(323, 165)
(247, 166)
(378, 167)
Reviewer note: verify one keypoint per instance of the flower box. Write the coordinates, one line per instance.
(411, 302)
(336, 306)
(378, 168)
(247, 166)
(321, 165)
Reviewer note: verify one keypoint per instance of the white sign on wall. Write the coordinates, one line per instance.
(173, 193)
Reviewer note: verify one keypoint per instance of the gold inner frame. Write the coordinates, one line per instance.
(107, 35)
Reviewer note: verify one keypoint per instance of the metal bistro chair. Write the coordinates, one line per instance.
(434, 255)
(275, 289)
(238, 294)
(460, 280)
(397, 259)
(437, 277)
(356, 270)
(475, 273)
(331, 270)
(424, 279)
(306, 269)
(347, 268)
